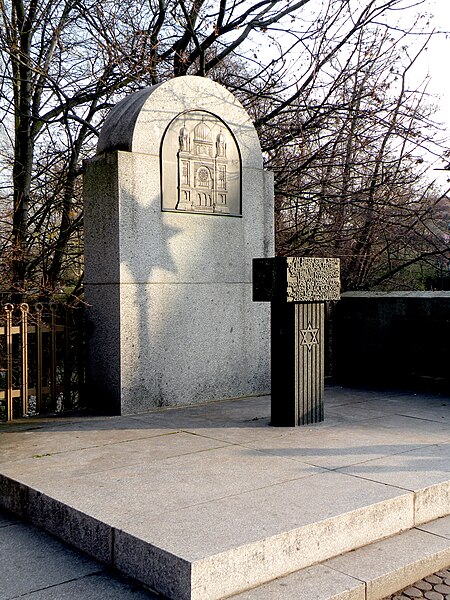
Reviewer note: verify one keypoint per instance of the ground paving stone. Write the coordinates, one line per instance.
(413, 592)
(36, 566)
(433, 587)
(423, 585)
(442, 589)
(434, 596)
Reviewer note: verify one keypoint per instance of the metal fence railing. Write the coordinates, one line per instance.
(41, 359)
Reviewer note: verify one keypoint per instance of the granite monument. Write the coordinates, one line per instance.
(177, 203)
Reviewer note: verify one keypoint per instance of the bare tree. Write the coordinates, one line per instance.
(353, 184)
(67, 61)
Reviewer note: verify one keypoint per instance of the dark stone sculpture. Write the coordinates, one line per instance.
(297, 289)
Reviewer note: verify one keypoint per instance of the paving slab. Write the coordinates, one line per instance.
(80, 462)
(355, 412)
(411, 469)
(94, 587)
(158, 486)
(425, 471)
(33, 439)
(411, 406)
(242, 541)
(349, 444)
(439, 527)
(421, 406)
(208, 501)
(243, 519)
(32, 560)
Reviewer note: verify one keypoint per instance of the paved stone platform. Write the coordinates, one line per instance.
(209, 501)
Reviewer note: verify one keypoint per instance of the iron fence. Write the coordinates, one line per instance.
(41, 359)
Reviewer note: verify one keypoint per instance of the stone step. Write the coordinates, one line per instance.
(238, 543)
(201, 503)
(373, 572)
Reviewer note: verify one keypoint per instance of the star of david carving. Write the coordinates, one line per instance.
(308, 337)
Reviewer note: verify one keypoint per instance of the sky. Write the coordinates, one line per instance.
(433, 64)
(438, 52)
(436, 61)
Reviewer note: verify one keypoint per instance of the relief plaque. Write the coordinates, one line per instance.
(200, 166)
(296, 279)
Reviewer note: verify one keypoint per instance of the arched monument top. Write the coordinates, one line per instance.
(139, 121)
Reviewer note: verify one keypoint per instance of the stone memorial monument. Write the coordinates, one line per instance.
(177, 204)
(297, 289)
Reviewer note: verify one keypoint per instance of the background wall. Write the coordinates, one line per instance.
(396, 339)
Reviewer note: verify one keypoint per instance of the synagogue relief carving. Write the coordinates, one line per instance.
(201, 167)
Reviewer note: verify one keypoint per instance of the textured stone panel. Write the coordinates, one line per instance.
(212, 351)
(296, 279)
(153, 566)
(13, 496)
(71, 525)
(312, 279)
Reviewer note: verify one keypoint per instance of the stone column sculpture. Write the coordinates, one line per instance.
(297, 289)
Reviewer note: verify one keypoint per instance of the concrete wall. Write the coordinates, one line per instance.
(397, 339)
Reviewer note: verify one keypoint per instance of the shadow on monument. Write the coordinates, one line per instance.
(141, 340)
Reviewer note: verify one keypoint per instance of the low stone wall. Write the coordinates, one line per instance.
(395, 339)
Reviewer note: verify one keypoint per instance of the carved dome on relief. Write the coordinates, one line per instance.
(202, 133)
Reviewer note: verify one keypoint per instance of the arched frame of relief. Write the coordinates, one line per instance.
(201, 166)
